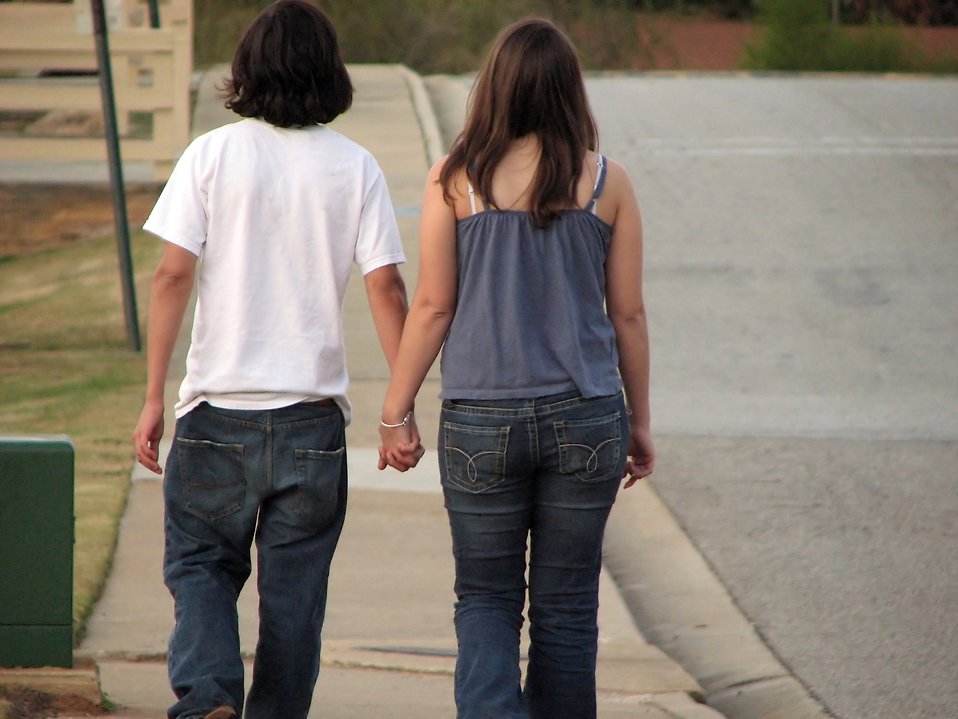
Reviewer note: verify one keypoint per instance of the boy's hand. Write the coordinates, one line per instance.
(147, 436)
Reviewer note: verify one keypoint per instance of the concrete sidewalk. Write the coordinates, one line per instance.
(389, 644)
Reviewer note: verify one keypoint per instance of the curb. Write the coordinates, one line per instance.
(79, 686)
(83, 680)
(683, 608)
(432, 137)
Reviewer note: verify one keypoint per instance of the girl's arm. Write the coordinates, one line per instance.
(626, 309)
(426, 325)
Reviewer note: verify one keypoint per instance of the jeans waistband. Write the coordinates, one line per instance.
(262, 418)
(524, 407)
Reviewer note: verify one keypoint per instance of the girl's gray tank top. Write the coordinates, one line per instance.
(530, 315)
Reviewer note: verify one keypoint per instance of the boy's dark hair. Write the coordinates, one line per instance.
(287, 68)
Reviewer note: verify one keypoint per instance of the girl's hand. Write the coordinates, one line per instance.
(401, 446)
(641, 460)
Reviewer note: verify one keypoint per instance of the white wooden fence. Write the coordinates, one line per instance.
(43, 44)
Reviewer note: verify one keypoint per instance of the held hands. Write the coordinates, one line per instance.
(401, 446)
(641, 459)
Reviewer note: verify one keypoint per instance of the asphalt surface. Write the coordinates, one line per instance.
(801, 266)
(802, 257)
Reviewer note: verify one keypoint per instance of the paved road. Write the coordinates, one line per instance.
(803, 291)
(802, 284)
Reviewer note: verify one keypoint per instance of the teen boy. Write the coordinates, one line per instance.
(278, 207)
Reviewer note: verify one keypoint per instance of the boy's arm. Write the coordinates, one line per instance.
(389, 306)
(170, 293)
(386, 293)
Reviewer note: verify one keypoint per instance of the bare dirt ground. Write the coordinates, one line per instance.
(22, 703)
(35, 217)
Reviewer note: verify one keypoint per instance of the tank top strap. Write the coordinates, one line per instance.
(599, 183)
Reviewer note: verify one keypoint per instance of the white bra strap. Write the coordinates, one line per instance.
(472, 198)
(599, 165)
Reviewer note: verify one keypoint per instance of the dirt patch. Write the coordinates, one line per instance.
(691, 43)
(31, 704)
(38, 217)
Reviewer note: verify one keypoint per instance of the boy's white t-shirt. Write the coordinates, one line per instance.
(277, 217)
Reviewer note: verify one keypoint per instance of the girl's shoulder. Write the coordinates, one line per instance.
(458, 180)
(617, 180)
(617, 192)
(614, 168)
(455, 189)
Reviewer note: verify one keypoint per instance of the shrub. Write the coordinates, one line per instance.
(875, 48)
(798, 36)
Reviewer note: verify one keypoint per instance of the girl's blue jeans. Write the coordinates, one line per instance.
(544, 471)
(276, 476)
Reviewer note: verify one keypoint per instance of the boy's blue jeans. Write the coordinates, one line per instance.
(546, 469)
(232, 475)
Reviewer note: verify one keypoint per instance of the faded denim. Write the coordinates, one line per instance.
(546, 470)
(278, 476)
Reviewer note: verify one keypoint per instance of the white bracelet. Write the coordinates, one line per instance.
(394, 426)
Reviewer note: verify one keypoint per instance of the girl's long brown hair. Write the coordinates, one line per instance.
(531, 82)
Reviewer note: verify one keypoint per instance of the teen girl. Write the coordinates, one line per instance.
(531, 277)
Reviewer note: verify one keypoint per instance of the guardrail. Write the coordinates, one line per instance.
(48, 64)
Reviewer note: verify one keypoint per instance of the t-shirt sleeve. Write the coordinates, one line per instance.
(180, 214)
(378, 243)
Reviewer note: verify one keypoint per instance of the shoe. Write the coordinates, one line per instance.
(221, 712)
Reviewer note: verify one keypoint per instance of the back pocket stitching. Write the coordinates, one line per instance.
(560, 427)
(592, 464)
(498, 473)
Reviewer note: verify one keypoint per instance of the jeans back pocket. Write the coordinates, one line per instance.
(319, 474)
(213, 477)
(590, 449)
(474, 457)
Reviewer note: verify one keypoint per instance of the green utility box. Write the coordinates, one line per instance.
(36, 551)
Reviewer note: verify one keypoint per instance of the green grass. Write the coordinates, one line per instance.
(218, 25)
(65, 369)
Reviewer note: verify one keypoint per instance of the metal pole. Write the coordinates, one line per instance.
(116, 174)
(154, 6)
